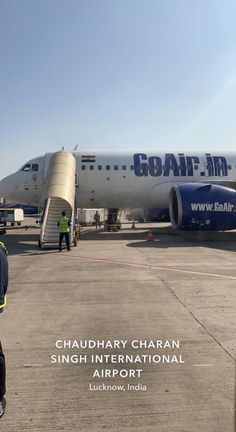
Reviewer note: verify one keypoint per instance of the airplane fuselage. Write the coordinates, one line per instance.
(122, 180)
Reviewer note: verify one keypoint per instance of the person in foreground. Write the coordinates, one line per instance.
(3, 291)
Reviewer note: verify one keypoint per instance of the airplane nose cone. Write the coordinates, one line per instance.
(4, 188)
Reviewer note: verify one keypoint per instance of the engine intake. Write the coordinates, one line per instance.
(198, 206)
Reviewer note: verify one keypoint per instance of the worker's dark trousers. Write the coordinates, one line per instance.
(67, 240)
(2, 374)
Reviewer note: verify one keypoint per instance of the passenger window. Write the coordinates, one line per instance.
(229, 167)
(131, 167)
(91, 167)
(108, 167)
(83, 167)
(35, 168)
(99, 167)
(26, 168)
(116, 167)
(124, 167)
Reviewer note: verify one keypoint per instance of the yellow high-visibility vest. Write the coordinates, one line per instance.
(64, 224)
(2, 306)
(2, 245)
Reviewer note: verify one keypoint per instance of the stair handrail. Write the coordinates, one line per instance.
(72, 220)
(45, 216)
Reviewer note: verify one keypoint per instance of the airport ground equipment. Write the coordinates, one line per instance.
(11, 216)
(85, 216)
(112, 223)
(76, 236)
(58, 196)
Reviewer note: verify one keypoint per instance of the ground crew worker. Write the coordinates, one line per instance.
(3, 291)
(64, 230)
(97, 219)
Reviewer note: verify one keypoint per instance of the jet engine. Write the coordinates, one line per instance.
(198, 206)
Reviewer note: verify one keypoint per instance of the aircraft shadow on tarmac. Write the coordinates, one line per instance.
(22, 244)
(125, 233)
(27, 244)
(167, 237)
(221, 241)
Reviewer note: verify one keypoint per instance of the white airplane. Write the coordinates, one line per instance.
(197, 188)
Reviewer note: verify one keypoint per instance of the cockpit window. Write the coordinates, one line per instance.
(26, 168)
(35, 167)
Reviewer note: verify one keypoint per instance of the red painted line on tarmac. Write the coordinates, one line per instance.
(147, 266)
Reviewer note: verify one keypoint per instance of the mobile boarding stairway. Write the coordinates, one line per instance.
(58, 196)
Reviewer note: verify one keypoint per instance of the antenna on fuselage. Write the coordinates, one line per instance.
(75, 148)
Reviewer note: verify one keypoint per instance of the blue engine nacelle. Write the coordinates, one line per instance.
(198, 206)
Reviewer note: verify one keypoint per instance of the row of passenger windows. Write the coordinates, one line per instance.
(34, 167)
(107, 167)
(131, 167)
(219, 166)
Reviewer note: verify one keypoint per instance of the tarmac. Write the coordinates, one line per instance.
(118, 286)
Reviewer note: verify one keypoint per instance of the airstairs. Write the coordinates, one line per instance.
(58, 196)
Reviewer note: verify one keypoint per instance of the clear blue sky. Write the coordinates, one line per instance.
(116, 74)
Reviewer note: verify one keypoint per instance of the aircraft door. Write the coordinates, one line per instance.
(220, 169)
(47, 158)
(35, 179)
(208, 168)
(26, 170)
(32, 179)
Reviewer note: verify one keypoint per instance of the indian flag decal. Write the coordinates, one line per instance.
(88, 158)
